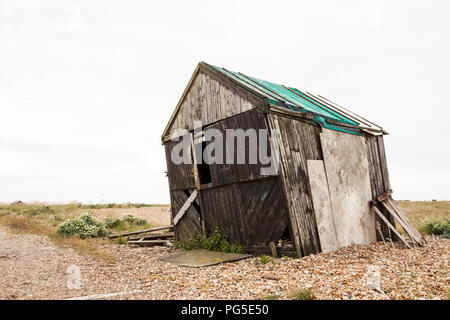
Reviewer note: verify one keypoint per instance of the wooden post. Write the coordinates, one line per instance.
(273, 249)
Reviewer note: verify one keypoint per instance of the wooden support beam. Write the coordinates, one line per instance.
(417, 237)
(385, 196)
(112, 236)
(396, 207)
(185, 206)
(378, 212)
(405, 226)
(163, 235)
(148, 242)
(273, 249)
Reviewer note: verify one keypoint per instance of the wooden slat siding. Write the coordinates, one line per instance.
(190, 200)
(299, 142)
(379, 180)
(376, 182)
(251, 213)
(223, 211)
(231, 84)
(383, 163)
(264, 210)
(223, 174)
(180, 176)
(211, 98)
(190, 224)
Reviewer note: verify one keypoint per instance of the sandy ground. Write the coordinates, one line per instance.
(158, 216)
(31, 267)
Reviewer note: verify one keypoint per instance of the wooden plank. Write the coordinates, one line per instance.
(138, 232)
(210, 97)
(347, 171)
(403, 216)
(383, 162)
(152, 236)
(273, 249)
(404, 222)
(264, 210)
(184, 208)
(322, 205)
(180, 176)
(404, 225)
(296, 142)
(270, 276)
(382, 217)
(223, 211)
(190, 225)
(378, 184)
(149, 242)
(194, 161)
(385, 196)
(180, 102)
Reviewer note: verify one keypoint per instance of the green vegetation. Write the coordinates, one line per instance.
(218, 241)
(122, 240)
(419, 211)
(303, 294)
(263, 259)
(271, 296)
(120, 205)
(437, 227)
(127, 222)
(45, 219)
(84, 227)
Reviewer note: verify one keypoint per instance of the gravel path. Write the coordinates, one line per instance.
(31, 267)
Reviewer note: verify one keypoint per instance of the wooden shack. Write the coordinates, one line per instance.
(331, 164)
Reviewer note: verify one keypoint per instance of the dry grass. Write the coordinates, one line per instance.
(419, 211)
(43, 219)
(303, 294)
(23, 224)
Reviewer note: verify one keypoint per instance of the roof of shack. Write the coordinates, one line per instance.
(285, 99)
(327, 113)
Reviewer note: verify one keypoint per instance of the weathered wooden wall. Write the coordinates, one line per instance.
(298, 142)
(224, 173)
(181, 176)
(253, 213)
(236, 200)
(245, 204)
(210, 100)
(248, 206)
(190, 224)
(379, 178)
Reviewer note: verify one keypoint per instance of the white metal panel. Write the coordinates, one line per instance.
(347, 171)
(322, 205)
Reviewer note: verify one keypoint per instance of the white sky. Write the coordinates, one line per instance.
(87, 87)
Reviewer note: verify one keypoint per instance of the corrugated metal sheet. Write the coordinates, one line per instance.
(325, 112)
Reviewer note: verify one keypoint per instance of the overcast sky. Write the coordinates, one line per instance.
(87, 87)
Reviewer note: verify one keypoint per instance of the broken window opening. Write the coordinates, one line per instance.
(204, 169)
(285, 241)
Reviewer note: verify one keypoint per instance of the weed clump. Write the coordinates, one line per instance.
(217, 241)
(263, 259)
(437, 227)
(123, 223)
(111, 223)
(303, 294)
(35, 210)
(84, 227)
(134, 221)
(271, 296)
(122, 240)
